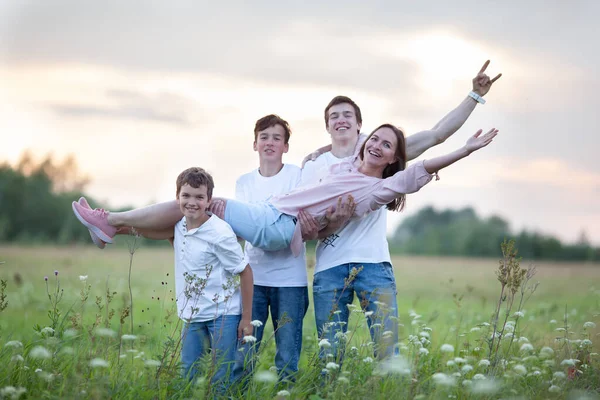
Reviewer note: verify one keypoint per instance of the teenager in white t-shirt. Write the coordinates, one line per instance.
(280, 281)
(362, 245)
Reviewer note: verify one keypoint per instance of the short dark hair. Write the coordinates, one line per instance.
(341, 100)
(196, 177)
(271, 120)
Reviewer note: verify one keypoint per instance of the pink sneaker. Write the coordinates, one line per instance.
(96, 221)
(97, 241)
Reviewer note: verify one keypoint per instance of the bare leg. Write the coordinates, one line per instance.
(155, 217)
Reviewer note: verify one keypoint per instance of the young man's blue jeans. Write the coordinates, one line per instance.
(220, 337)
(333, 291)
(288, 306)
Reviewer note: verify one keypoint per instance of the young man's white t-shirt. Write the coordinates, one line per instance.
(272, 268)
(207, 260)
(362, 240)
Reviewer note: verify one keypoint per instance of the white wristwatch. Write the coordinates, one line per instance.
(477, 97)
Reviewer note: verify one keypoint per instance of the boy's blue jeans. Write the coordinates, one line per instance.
(220, 337)
(333, 291)
(288, 307)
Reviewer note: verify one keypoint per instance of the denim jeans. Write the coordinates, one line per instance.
(288, 307)
(220, 337)
(375, 286)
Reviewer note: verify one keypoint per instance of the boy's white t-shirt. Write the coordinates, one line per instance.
(207, 262)
(272, 268)
(362, 240)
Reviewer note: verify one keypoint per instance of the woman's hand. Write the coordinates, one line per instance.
(477, 141)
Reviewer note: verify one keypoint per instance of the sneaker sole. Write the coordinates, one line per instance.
(97, 241)
(92, 228)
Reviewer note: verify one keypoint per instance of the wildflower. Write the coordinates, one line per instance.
(559, 375)
(38, 370)
(394, 365)
(256, 323)
(12, 392)
(69, 333)
(479, 377)
(447, 348)
(47, 331)
(424, 334)
(484, 363)
(485, 387)
(105, 332)
(475, 329)
(535, 373)
(586, 342)
(386, 334)
(249, 339)
(368, 313)
(367, 360)
(265, 377)
(343, 379)
(520, 369)
(332, 365)
(17, 358)
(569, 362)
(40, 352)
(526, 347)
(443, 380)
(467, 383)
(324, 343)
(55, 272)
(466, 369)
(46, 278)
(83, 278)
(554, 389)
(553, 321)
(423, 351)
(98, 363)
(523, 339)
(284, 393)
(589, 325)
(126, 338)
(519, 314)
(459, 360)
(15, 344)
(337, 312)
(560, 329)
(451, 363)
(546, 352)
(152, 363)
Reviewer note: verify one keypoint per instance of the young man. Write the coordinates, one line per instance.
(280, 281)
(361, 246)
(215, 307)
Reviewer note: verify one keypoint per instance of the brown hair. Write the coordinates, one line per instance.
(398, 165)
(271, 120)
(341, 100)
(196, 177)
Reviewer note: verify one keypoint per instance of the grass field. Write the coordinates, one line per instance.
(442, 301)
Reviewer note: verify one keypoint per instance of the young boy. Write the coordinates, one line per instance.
(208, 259)
(280, 281)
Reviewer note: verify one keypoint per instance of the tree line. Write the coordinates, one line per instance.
(463, 233)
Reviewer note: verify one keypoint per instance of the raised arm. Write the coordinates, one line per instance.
(474, 143)
(419, 142)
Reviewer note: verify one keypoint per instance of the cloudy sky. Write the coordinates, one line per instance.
(139, 91)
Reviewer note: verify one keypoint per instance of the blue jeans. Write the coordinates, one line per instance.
(375, 286)
(261, 224)
(288, 307)
(220, 337)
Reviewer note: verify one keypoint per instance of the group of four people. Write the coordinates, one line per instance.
(338, 197)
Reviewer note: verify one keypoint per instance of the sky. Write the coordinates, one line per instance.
(139, 91)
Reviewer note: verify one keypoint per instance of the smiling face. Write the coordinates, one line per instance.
(380, 148)
(193, 203)
(342, 122)
(270, 143)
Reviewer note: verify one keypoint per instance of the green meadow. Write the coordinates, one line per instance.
(104, 325)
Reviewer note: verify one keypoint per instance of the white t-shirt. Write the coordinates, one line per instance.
(362, 240)
(272, 268)
(207, 262)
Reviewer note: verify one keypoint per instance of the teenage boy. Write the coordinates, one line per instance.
(213, 282)
(361, 245)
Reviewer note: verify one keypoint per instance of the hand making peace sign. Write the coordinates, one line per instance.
(482, 83)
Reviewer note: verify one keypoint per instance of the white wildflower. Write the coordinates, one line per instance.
(546, 352)
(265, 377)
(553, 321)
(105, 332)
(69, 333)
(466, 369)
(559, 375)
(40, 352)
(586, 342)
(475, 329)
(283, 393)
(526, 347)
(451, 363)
(47, 331)
(589, 325)
(560, 329)
(324, 343)
(485, 324)
(568, 361)
(332, 365)
(519, 314)
(479, 377)
(485, 387)
(126, 338)
(152, 363)
(83, 278)
(249, 339)
(343, 379)
(484, 363)
(393, 365)
(459, 360)
(98, 363)
(17, 358)
(256, 323)
(15, 344)
(368, 313)
(467, 383)
(447, 348)
(12, 392)
(523, 339)
(368, 360)
(424, 334)
(520, 369)
(554, 389)
(423, 351)
(443, 380)
(387, 334)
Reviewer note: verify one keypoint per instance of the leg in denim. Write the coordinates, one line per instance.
(224, 345)
(376, 287)
(333, 291)
(288, 308)
(195, 343)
